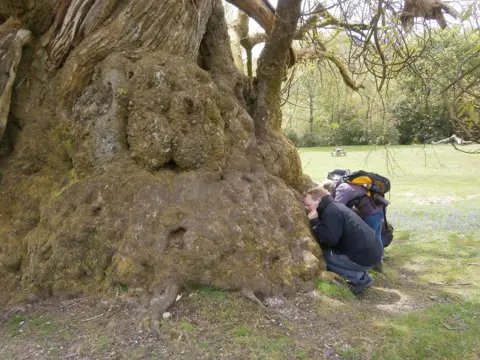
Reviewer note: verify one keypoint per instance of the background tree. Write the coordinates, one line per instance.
(395, 103)
(440, 85)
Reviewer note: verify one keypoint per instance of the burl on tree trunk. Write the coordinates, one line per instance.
(129, 157)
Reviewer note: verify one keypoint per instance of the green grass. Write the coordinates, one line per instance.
(434, 188)
(15, 321)
(334, 289)
(448, 260)
(300, 355)
(414, 170)
(30, 324)
(242, 331)
(210, 291)
(184, 325)
(348, 352)
(446, 331)
(435, 199)
(278, 344)
(123, 288)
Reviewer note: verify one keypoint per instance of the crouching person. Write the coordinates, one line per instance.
(349, 245)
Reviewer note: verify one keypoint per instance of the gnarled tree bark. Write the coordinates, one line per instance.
(136, 162)
(11, 44)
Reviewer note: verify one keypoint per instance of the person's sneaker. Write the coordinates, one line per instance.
(355, 289)
(369, 282)
(358, 288)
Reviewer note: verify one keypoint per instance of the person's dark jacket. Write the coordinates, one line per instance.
(340, 229)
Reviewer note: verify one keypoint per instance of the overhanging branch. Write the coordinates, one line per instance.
(312, 22)
(320, 52)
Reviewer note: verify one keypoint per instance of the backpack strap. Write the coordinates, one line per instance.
(385, 216)
(355, 201)
(334, 187)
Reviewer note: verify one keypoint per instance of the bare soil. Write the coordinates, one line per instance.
(209, 324)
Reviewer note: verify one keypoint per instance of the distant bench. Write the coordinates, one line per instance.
(338, 152)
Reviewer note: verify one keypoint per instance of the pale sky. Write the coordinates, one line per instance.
(253, 28)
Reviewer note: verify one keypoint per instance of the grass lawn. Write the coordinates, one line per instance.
(435, 209)
(433, 188)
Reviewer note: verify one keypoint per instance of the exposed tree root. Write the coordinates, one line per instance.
(158, 305)
(249, 294)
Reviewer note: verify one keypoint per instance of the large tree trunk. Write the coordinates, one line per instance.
(130, 158)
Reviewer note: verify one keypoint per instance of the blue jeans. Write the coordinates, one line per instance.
(341, 264)
(375, 222)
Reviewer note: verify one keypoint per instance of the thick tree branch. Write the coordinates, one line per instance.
(343, 72)
(237, 32)
(271, 66)
(264, 13)
(311, 23)
(259, 10)
(249, 42)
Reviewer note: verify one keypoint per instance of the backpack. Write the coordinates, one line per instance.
(377, 187)
(374, 183)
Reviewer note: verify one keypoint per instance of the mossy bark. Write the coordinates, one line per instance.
(133, 160)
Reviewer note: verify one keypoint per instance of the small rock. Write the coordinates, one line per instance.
(16, 310)
(103, 305)
(132, 303)
(166, 315)
(274, 302)
(32, 298)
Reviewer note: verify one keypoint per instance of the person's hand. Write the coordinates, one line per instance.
(313, 214)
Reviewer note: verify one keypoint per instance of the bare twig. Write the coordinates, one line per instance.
(449, 284)
(93, 318)
(475, 67)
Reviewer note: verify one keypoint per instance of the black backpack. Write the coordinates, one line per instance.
(377, 186)
(374, 183)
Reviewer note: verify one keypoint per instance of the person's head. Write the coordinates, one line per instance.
(313, 197)
(327, 185)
